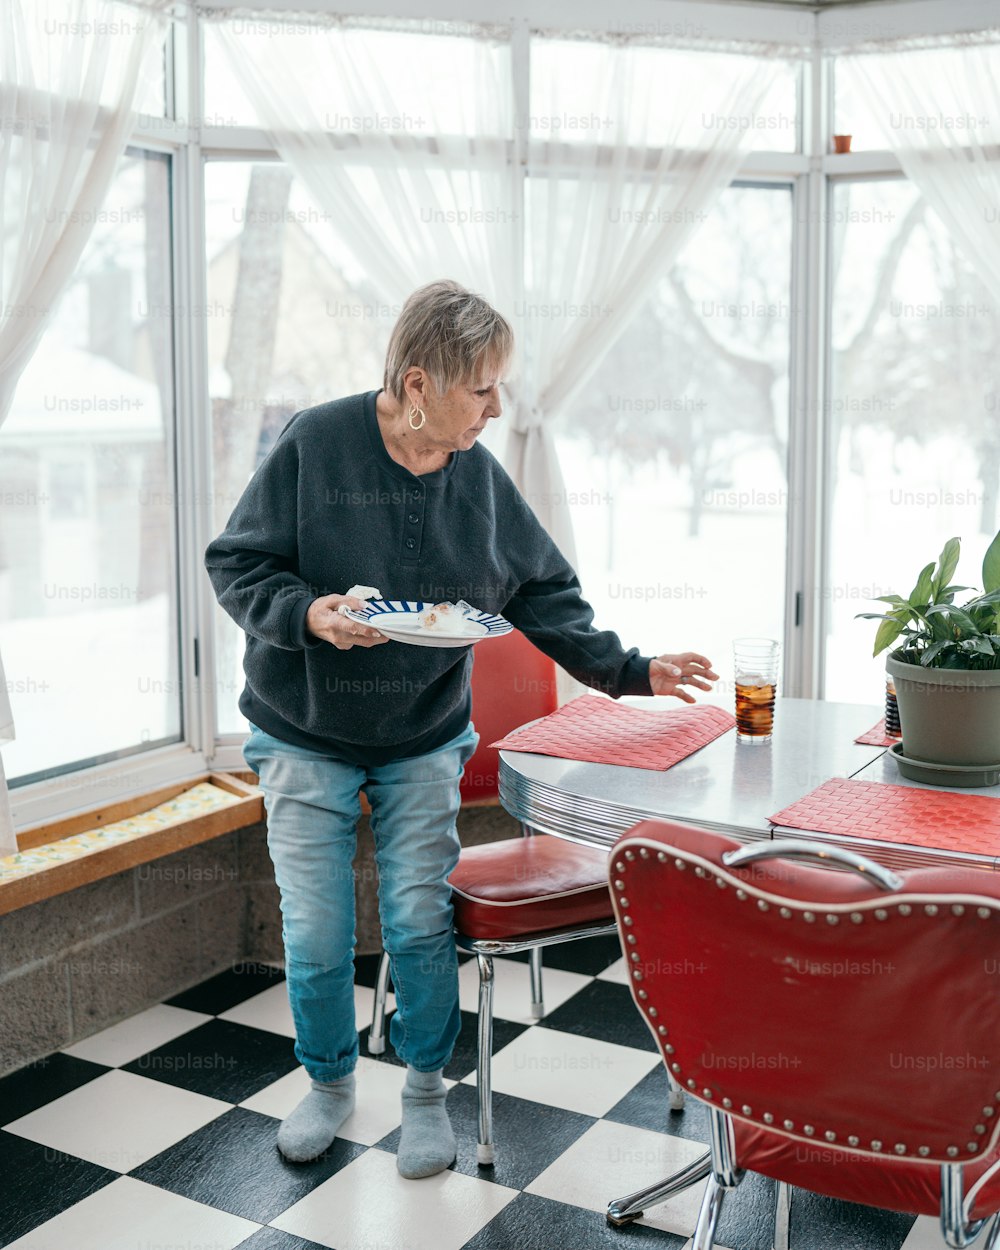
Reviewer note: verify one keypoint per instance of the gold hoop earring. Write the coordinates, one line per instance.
(413, 412)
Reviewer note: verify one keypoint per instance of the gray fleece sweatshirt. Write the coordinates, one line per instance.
(329, 508)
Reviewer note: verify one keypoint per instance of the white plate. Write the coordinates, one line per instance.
(397, 619)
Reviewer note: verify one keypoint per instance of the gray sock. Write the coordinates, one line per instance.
(426, 1143)
(312, 1127)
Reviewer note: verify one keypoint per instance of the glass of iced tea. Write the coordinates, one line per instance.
(755, 661)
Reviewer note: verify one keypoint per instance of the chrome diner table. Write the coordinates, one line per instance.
(731, 786)
(728, 786)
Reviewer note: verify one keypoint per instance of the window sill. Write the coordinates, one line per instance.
(86, 789)
(90, 858)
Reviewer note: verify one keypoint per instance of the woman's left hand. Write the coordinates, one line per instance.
(669, 674)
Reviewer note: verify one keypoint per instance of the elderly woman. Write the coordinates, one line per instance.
(390, 488)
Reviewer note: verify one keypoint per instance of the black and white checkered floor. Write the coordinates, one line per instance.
(159, 1132)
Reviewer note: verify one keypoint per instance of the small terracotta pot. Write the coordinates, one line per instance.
(842, 143)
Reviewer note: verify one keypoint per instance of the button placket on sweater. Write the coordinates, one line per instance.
(414, 502)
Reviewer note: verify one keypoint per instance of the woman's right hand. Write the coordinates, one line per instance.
(324, 621)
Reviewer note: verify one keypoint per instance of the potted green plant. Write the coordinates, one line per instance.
(946, 662)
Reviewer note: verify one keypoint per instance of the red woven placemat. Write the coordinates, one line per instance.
(870, 809)
(877, 737)
(599, 731)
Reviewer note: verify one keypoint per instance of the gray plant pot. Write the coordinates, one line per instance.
(948, 716)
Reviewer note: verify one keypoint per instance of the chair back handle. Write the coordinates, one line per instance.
(819, 853)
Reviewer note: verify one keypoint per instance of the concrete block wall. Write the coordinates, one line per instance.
(77, 963)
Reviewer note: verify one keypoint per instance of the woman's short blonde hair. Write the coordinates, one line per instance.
(451, 333)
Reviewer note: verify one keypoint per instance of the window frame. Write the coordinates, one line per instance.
(811, 172)
(79, 787)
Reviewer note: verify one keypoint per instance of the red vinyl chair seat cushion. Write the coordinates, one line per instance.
(507, 890)
(896, 1184)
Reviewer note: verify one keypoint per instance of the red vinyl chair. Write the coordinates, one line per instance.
(512, 682)
(843, 1027)
(522, 894)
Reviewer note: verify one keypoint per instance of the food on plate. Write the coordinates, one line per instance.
(448, 621)
(448, 618)
(441, 617)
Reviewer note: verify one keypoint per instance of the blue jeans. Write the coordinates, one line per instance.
(312, 813)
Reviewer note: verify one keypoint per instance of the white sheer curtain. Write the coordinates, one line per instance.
(939, 110)
(406, 138)
(69, 73)
(403, 138)
(630, 147)
(418, 153)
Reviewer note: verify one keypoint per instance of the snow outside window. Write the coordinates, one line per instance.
(88, 575)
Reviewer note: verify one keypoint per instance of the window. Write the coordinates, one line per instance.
(675, 454)
(851, 116)
(152, 95)
(292, 322)
(429, 77)
(568, 75)
(945, 67)
(915, 457)
(88, 569)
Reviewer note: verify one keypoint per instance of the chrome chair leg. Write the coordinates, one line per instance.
(535, 959)
(484, 1056)
(708, 1216)
(782, 1215)
(993, 1235)
(676, 1094)
(376, 1034)
(537, 994)
(625, 1210)
(958, 1232)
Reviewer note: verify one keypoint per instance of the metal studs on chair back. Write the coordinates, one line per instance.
(843, 1026)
